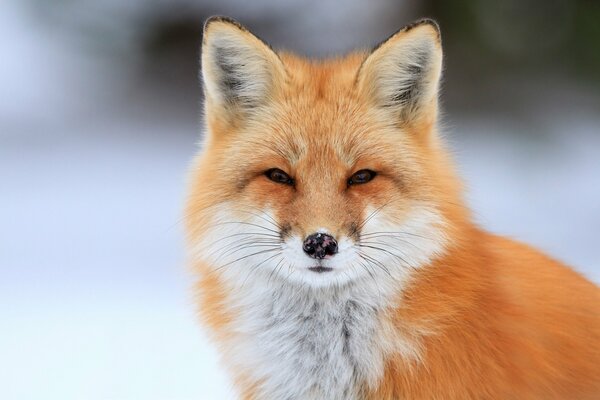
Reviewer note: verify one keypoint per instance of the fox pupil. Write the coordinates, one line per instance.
(277, 175)
(362, 176)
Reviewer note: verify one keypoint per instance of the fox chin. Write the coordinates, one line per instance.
(334, 253)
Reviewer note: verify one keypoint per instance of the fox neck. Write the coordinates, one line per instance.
(313, 343)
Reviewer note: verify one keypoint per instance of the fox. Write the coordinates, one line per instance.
(333, 253)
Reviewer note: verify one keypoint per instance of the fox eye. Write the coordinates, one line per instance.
(277, 175)
(362, 176)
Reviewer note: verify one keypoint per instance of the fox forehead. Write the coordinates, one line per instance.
(301, 128)
(317, 131)
(328, 79)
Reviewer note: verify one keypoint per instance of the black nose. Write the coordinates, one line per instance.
(320, 245)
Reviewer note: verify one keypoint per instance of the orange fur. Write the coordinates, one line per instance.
(493, 318)
(511, 324)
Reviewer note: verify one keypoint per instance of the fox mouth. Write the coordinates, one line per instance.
(320, 269)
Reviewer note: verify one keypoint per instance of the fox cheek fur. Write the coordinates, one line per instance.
(335, 256)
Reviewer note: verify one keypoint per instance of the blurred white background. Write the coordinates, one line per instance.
(99, 119)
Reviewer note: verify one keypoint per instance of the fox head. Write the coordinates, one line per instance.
(320, 173)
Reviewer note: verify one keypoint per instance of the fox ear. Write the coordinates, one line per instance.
(239, 71)
(402, 73)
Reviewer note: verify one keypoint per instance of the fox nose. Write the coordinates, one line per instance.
(320, 245)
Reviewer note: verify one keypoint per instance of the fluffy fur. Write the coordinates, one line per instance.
(420, 303)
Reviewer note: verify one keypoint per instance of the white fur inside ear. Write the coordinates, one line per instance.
(236, 67)
(403, 73)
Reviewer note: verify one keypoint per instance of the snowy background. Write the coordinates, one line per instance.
(99, 119)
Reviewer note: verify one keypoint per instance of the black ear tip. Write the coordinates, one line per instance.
(415, 24)
(223, 19)
(425, 21)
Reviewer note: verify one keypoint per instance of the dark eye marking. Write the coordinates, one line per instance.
(277, 175)
(362, 176)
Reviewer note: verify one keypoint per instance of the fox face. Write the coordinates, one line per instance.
(319, 173)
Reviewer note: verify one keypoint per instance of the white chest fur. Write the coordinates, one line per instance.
(307, 344)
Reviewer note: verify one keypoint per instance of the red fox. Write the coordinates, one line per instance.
(335, 254)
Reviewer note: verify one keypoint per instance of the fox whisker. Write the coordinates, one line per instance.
(374, 262)
(394, 234)
(233, 250)
(246, 223)
(404, 262)
(251, 234)
(255, 267)
(244, 257)
(371, 215)
(275, 270)
(365, 266)
(224, 249)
